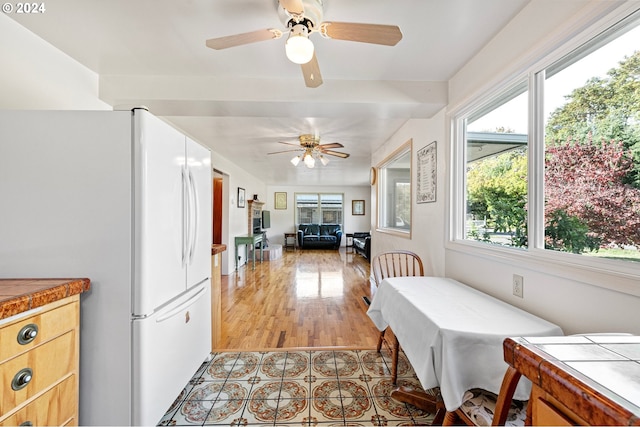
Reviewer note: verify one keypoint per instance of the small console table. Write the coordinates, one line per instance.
(349, 243)
(290, 241)
(250, 240)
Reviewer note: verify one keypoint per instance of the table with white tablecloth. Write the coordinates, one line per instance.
(452, 334)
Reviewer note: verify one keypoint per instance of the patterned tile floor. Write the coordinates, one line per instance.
(302, 388)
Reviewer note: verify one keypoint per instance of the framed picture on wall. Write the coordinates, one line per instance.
(280, 200)
(427, 174)
(357, 207)
(241, 197)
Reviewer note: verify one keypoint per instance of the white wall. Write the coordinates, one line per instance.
(36, 76)
(283, 220)
(573, 299)
(427, 229)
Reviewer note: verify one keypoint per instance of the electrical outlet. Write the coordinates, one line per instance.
(518, 286)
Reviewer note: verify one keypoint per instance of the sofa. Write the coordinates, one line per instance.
(319, 236)
(362, 244)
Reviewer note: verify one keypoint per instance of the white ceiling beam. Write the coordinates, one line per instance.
(204, 96)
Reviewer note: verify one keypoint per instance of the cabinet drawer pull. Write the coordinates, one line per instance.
(21, 379)
(26, 424)
(28, 333)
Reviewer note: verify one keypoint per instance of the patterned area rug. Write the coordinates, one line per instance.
(303, 388)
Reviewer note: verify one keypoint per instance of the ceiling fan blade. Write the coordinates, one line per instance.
(294, 7)
(331, 145)
(311, 72)
(388, 35)
(289, 143)
(335, 153)
(244, 38)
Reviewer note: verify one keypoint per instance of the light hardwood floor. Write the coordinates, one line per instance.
(306, 299)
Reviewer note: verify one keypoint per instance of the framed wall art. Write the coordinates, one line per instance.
(357, 207)
(427, 174)
(280, 200)
(241, 197)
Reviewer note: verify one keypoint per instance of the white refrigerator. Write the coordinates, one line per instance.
(124, 199)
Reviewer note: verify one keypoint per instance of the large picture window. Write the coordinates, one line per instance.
(496, 170)
(592, 148)
(394, 191)
(552, 163)
(319, 208)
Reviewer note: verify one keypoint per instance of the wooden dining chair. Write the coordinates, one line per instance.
(482, 408)
(397, 263)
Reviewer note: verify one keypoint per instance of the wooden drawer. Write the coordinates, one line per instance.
(545, 414)
(57, 406)
(53, 321)
(49, 362)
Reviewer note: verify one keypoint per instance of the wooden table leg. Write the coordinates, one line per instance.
(421, 400)
(394, 359)
(236, 256)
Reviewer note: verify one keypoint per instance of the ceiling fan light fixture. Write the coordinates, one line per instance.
(310, 150)
(309, 161)
(299, 48)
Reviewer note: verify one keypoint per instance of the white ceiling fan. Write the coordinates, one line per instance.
(302, 18)
(310, 149)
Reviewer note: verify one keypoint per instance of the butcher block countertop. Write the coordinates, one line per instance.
(20, 295)
(217, 248)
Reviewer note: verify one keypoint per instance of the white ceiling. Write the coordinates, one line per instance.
(242, 101)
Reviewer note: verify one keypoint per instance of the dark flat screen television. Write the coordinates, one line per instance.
(266, 219)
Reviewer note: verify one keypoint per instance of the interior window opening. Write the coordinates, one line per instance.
(394, 191)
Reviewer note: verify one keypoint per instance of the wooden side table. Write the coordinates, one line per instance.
(287, 243)
(349, 242)
(579, 379)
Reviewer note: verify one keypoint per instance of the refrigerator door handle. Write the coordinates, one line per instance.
(196, 209)
(176, 310)
(185, 216)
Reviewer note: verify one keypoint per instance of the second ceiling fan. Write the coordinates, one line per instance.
(302, 18)
(310, 149)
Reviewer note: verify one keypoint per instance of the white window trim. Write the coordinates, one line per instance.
(392, 230)
(319, 193)
(608, 274)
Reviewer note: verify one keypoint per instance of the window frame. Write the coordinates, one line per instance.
(592, 270)
(405, 148)
(508, 92)
(319, 206)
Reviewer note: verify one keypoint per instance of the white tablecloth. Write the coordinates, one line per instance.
(452, 334)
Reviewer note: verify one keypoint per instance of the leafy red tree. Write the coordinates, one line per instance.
(586, 180)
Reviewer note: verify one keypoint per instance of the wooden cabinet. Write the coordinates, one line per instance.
(547, 411)
(39, 365)
(216, 299)
(579, 380)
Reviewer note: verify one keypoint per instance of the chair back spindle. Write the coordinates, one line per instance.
(396, 264)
